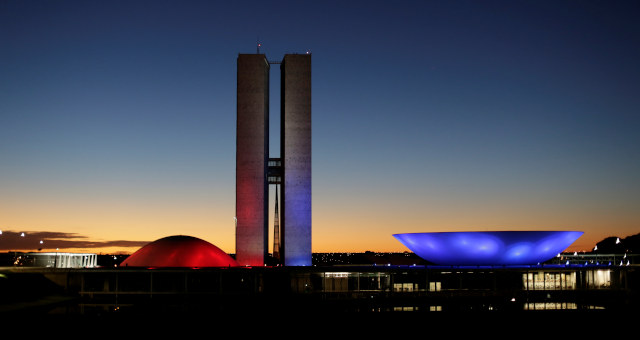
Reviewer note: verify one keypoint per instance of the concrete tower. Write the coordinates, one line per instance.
(295, 146)
(255, 170)
(252, 150)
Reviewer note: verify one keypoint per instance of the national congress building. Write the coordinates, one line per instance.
(255, 170)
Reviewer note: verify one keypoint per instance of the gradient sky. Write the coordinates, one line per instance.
(117, 118)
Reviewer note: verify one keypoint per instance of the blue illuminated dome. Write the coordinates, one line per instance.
(488, 247)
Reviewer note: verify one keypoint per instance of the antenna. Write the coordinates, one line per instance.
(258, 45)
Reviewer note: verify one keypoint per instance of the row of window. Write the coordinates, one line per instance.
(348, 281)
(594, 279)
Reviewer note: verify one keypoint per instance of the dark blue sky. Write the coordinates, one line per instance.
(117, 118)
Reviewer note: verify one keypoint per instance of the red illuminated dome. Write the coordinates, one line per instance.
(179, 251)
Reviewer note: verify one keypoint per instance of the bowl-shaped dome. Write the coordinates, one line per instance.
(179, 251)
(490, 247)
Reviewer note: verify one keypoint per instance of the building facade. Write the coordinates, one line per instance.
(252, 155)
(353, 289)
(54, 260)
(255, 170)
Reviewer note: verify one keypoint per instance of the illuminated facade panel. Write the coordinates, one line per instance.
(296, 158)
(252, 155)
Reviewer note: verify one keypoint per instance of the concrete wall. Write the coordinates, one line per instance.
(296, 158)
(252, 150)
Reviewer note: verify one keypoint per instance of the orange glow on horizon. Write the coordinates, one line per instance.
(368, 227)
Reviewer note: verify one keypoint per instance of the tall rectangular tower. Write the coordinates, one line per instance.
(295, 146)
(292, 170)
(252, 156)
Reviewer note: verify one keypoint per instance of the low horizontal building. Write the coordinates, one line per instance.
(345, 289)
(54, 260)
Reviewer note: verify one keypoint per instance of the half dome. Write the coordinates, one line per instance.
(179, 251)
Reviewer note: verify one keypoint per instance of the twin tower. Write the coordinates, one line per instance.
(255, 170)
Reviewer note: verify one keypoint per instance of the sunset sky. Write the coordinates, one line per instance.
(117, 118)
